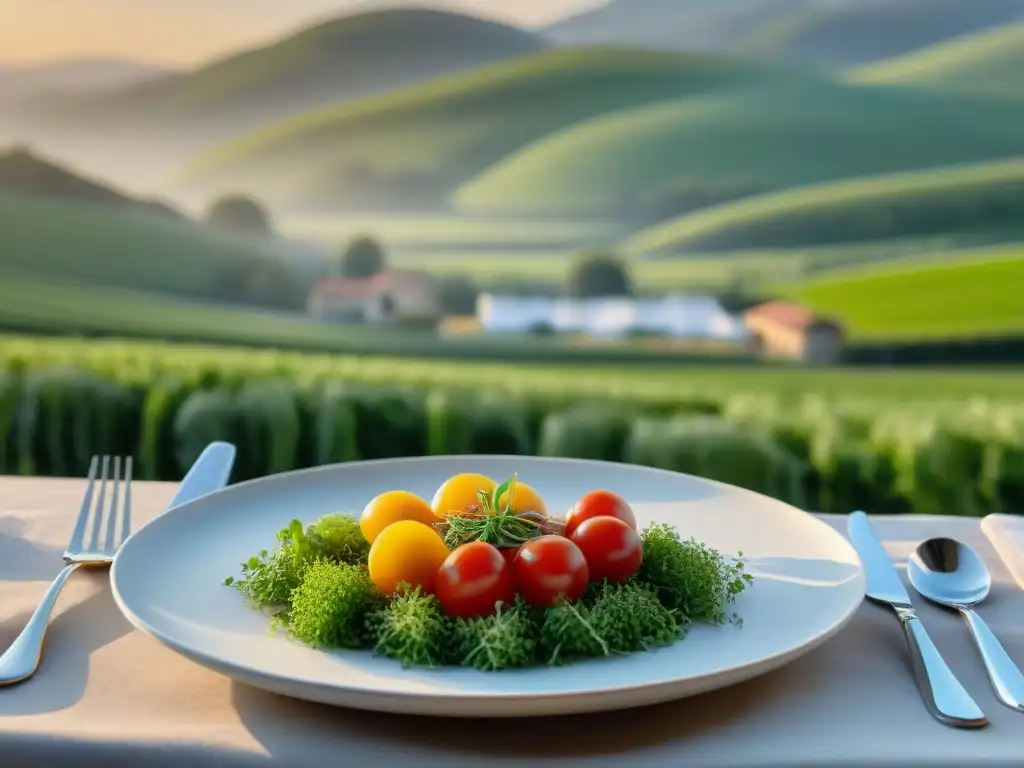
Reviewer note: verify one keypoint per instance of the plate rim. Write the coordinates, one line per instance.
(238, 670)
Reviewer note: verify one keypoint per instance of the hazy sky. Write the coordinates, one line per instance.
(187, 31)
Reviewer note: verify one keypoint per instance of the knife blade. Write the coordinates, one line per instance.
(944, 696)
(209, 473)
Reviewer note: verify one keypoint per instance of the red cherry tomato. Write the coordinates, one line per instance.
(599, 504)
(613, 550)
(472, 579)
(550, 567)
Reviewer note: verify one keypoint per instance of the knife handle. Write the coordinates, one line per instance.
(208, 473)
(943, 694)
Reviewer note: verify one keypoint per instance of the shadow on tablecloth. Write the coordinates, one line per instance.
(296, 732)
(47, 751)
(24, 560)
(75, 632)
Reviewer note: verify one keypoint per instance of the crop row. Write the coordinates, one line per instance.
(961, 457)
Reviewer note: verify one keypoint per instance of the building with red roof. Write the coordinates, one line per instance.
(391, 296)
(782, 329)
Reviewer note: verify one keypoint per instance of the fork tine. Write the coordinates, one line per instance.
(78, 535)
(126, 519)
(112, 512)
(97, 517)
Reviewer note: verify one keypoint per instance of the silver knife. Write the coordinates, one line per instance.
(943, 694)
(209, 473)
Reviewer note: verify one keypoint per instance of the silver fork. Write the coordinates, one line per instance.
(111, 522)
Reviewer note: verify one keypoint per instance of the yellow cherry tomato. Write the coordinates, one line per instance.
(406, 551)
(458, 492)
(525, 499)
(390, 507)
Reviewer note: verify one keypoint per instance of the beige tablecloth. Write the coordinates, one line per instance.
(108, 695)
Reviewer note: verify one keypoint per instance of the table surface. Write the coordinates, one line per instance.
(107, 694)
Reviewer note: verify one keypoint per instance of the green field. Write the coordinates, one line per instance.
(921, 203)
(768, 138)
(47, 304)
(822, 440)
(979, 295)
(34, 303)
(437, 234)
(453, 128)
(752, 270)
(988, 62)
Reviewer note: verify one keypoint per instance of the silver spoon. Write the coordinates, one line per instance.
(950, 573)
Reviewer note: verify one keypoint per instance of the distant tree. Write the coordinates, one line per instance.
(265, 283)
(457, 295)
(363, 257)
(239, 213)
(594, 275)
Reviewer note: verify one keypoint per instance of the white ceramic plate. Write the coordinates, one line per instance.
(167, 579)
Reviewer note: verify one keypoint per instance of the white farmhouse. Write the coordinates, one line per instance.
(678, 316)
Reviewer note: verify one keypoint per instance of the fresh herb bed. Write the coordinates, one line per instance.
(318, 584)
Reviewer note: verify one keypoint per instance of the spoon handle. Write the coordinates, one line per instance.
(1005, 676)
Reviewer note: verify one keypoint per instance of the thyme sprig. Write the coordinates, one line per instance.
(493, 520)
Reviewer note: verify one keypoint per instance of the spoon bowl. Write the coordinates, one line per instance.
(950, 573)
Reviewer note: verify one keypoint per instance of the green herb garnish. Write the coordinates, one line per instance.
(503, 640)
(328, 609)
(411, 629)
(611, 619)
(690, 578)
(268, 578)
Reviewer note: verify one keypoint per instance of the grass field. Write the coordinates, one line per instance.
(763, 139)
(933, 201)
(979, 295)
(987, 62)
(34, 303)
(439, 233)
(47, 304)
(452, 128)
(753, 270)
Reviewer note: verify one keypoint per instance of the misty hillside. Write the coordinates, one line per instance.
(81, 75)
(344, 58)
(138, 135)
(815, 32)
(414, 146)
(990, 62)
(24, 172)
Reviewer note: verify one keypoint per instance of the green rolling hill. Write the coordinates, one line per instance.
(833, 33)
(132, 248)
(990, 62)
(972, 198)
(151, 127)
(761, 139)
(978, 294)
(423, 141)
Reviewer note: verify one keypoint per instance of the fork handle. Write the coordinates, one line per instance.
(21, 660)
